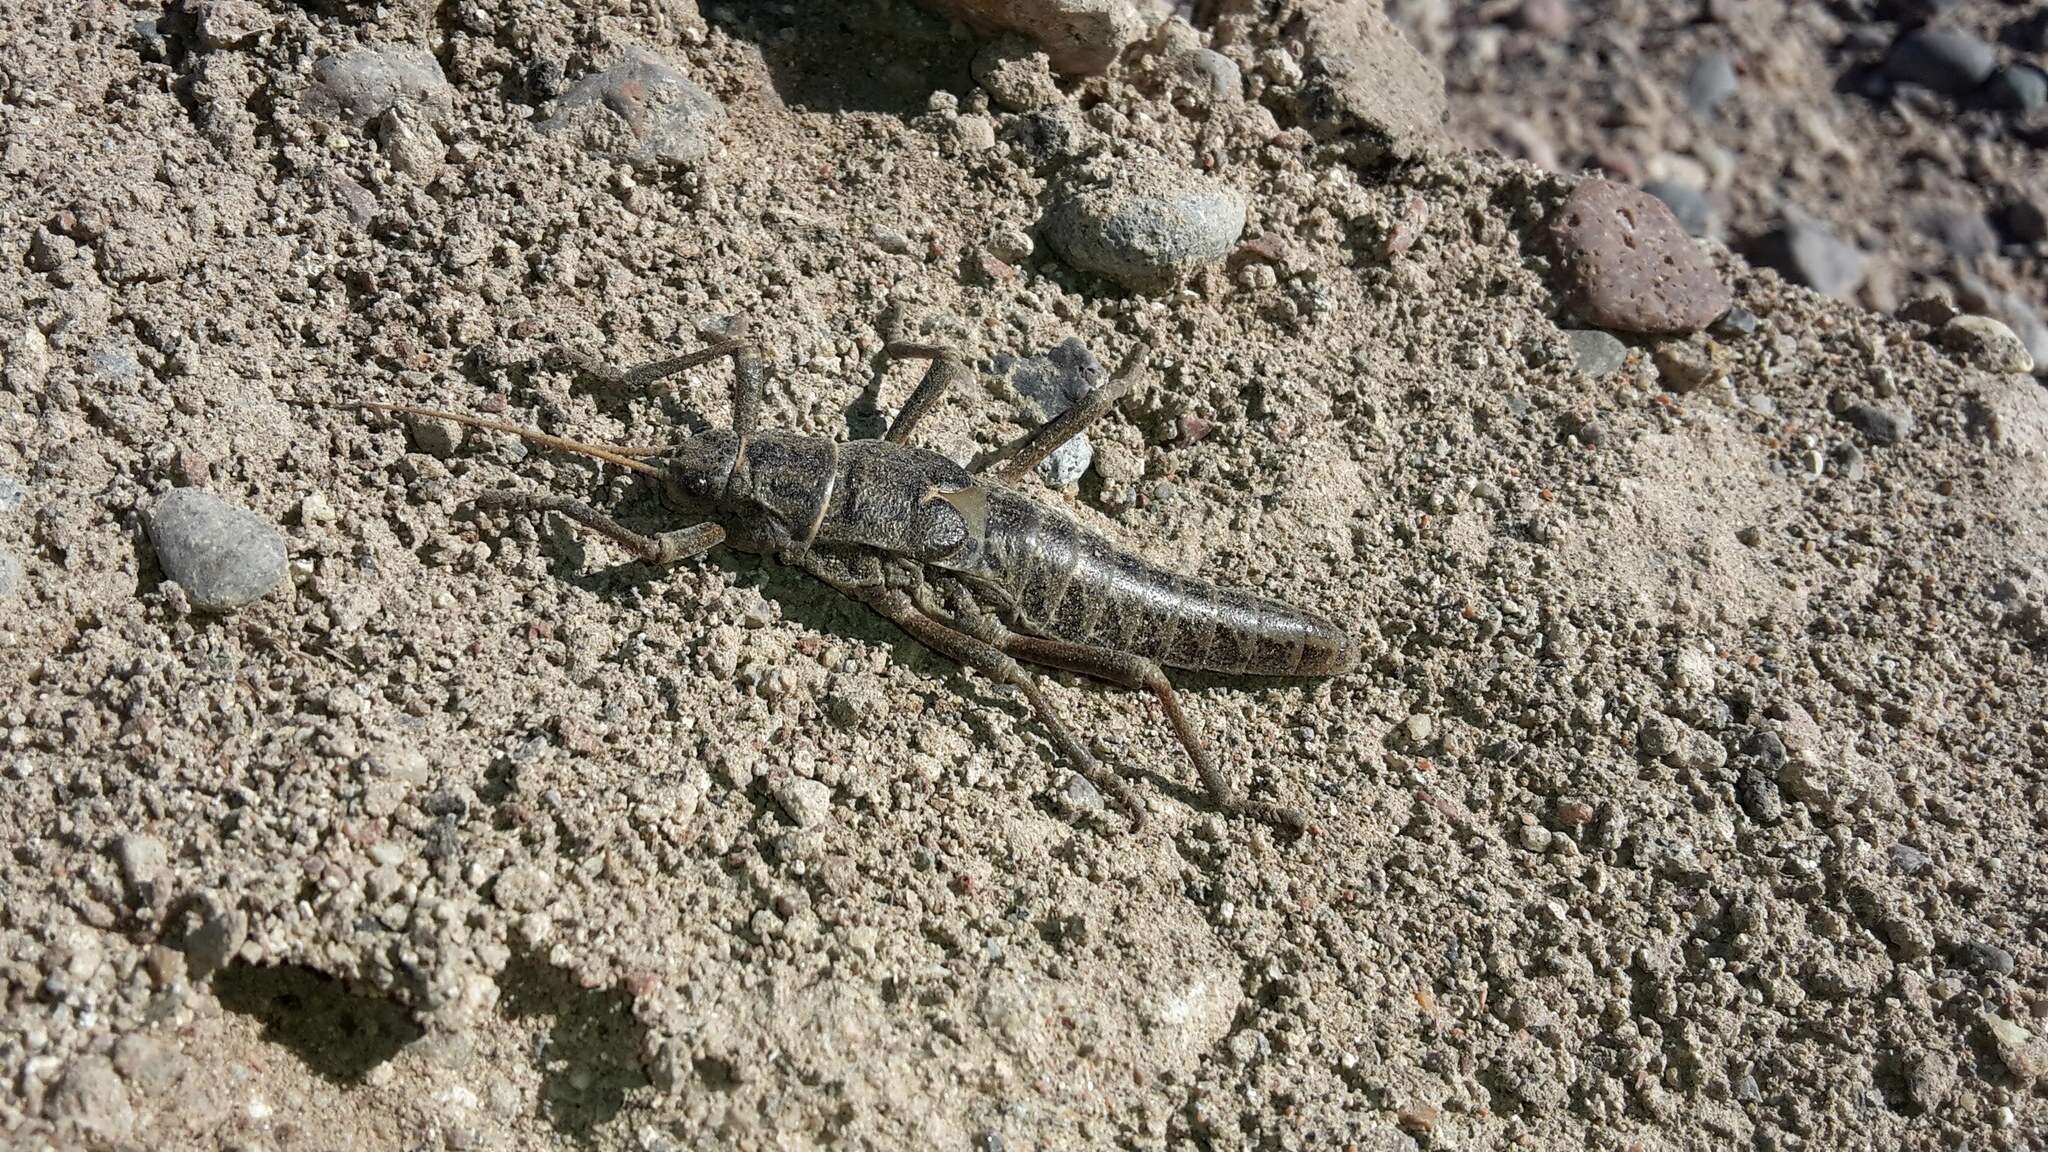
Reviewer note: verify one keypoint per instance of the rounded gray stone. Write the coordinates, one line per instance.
(1146, 225)
(1599, 354)
(224, 556)
(1944, 59)
(1986, 343)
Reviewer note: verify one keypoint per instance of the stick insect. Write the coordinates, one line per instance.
(955, 557)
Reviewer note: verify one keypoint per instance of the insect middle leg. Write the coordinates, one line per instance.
(661, 549)
(1020, 456)
(903, 611)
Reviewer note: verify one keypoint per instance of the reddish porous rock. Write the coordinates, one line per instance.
(1628, 266)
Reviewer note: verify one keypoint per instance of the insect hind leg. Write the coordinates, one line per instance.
(750, 372)
(1021, 455)
(661, 549)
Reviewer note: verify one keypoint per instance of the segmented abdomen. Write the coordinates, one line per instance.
(1070, 584)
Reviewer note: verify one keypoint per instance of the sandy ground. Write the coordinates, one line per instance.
(1689, 795)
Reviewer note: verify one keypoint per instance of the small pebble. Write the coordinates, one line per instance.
(1627, 264)
(1883, 423)
(1051, 384)
(12, 494)
(1734, 324)
(1986, 959)
(807, 802)
(2024, 218)
(1599, 354)
(1145, 224)
(641, 110)
(223, 556)
(2023, 1053)
(1946, 60)
(2021, 88)
(1711, 82)
(1808, 254)
(1987, 344)
(11, 575)
(1213, 74)
(1016, 74)
(1080, 795)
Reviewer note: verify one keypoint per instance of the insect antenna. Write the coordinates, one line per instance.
(620, 454)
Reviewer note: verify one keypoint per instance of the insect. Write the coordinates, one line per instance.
(954, 556)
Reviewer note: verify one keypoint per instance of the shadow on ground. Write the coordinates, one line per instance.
(587, 1044)
(336, 1033)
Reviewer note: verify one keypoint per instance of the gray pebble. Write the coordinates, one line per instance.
(1985, 959)
(1212, 73)
(1711, 82)
(641, 110)
(144, 863)
(2017, 88)
(1807, 253)
(1145, 225)
(147, 1062)
(1599, 354)
(1883, 423)
(1080, 795)
(1907, 858)
(1687, 203)
(1734, 324)
(223, 556)
(362, 85)
(11, 575)
(1944, 59)
(1051, 384)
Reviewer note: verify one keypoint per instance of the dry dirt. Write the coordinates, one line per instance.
(1690, 794)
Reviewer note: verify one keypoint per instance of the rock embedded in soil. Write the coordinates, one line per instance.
(10, 575)
(1987, 344)
(92, 1097)
(1081, 37)
(1883, 423)
(1810, 255)
(807, 802)
(641, 110)
(223, 556)
(1627, 265)
(1949, 61)
(1599, 354)
(1362, 83)
(362, 85)
(1016, 74)
(1145, 224)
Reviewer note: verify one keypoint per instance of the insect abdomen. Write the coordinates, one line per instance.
(1066, 582)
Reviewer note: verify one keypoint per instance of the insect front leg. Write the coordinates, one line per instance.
(663, 548)
(750, 373)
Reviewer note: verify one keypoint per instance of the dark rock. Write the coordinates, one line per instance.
(1807, 253)
(1711, 82)
(2017, 88)
(2024, 219)
(1944, 59)
(1985, 959)
(1907, 858)
(1757, 791)
(1883, 423)
(1686, 202)
(1627, 265)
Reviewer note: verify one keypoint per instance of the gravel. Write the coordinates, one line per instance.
(224, 556)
